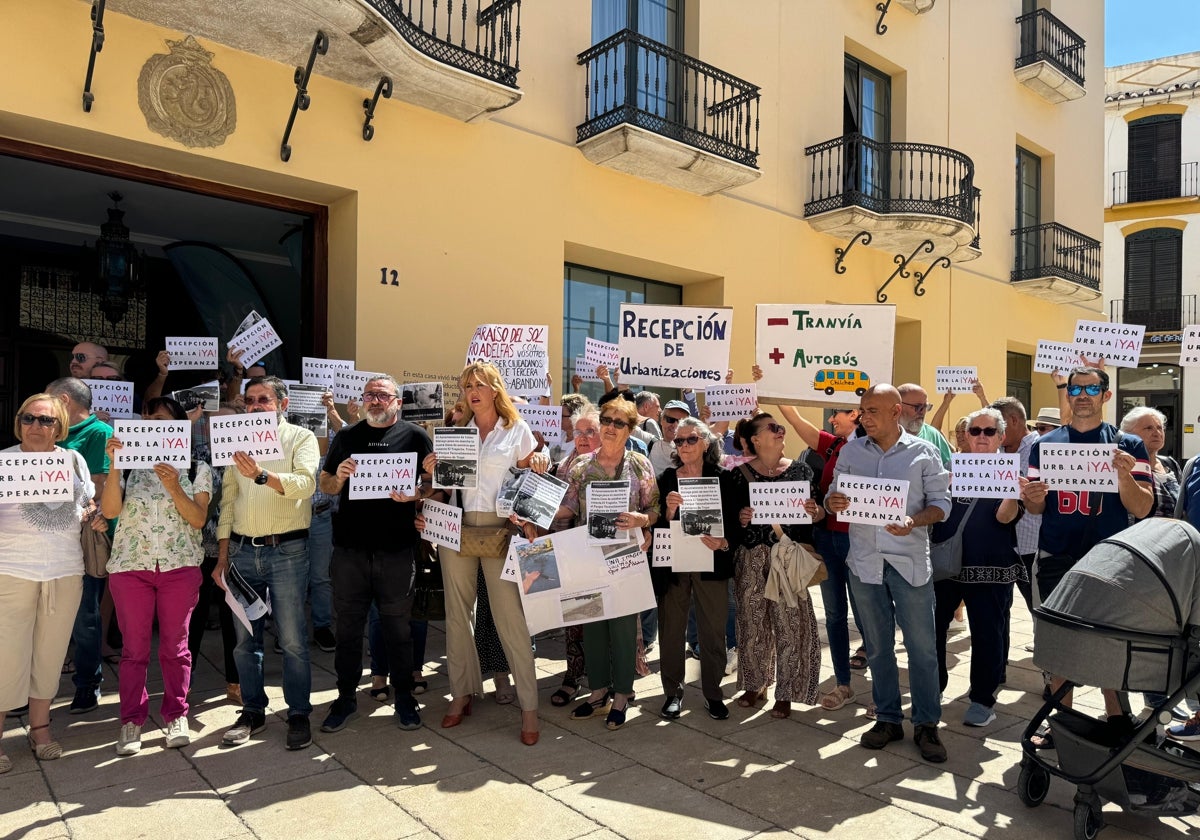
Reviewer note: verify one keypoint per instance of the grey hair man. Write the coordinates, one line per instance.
(914, 405)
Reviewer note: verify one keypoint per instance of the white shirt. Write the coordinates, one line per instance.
(501, 449)
(39, 541)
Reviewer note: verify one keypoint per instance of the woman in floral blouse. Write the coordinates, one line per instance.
(154, 570)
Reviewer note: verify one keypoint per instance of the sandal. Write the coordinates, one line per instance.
(505, 694)
(858, 662)
(564, 695)
(69, 667)
(782, 709)
(871, 711)
(834, 700)
(1042, 739)
(589, 708)
(5, 763)
(749, 699)
(47, 751)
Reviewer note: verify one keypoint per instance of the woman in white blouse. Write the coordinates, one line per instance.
(41, 575)
(154, 570)
(505, 440)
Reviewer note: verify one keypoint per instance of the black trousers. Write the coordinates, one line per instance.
(209, 591)
(986, 605)
(360, 576)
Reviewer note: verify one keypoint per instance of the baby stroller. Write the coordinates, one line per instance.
(1127, 617)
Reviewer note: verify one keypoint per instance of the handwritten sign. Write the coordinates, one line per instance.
(546, 419)
(1120, 345)
(349, 384)
(674, 346)
(955, 380)
(1055, 357)
(1189, 347)
(519, 351)
(376, 476)
(874, 501)
(779, 502)
(822, 354)
(316, 371)
(443, 524)
(730, 402)
(114, 397)
(192, 352)
(1077, 466)
(599, 352)
(255, 434)
(149, 442)
(256, 342)
(985, 476)
(36, 477)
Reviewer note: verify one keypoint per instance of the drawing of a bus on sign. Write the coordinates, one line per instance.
(833, 380)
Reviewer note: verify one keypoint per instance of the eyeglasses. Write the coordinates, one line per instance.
(108, 378)
(670, 421)
(379, 397)
(42, 420)
(586, 433)
(690, 440)
(773, 428)
(613, 421)
(920, 408)
(1094, 390)
(260, 401)
(80, 357)
(976, 431)
(1042, 428)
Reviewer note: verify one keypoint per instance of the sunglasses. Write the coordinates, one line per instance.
(379, 397)
(613, 421)
(1042, 428)
(41, 419)
(976, 431)
(1092, 390)
(773, 428)
(260, 401)
(919, 407)
(843, 410)
(671, 421)
(690, 440)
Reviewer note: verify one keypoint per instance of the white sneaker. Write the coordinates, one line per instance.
(730, 660)
(178, 734)
(129, 742)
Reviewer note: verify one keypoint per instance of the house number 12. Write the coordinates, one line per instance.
(383, 276)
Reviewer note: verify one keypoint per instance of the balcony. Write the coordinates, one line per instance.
(1161, 313)
(1056, 263)
(900, 193)
(1050, 62)
(656, 113)
(457, 57)
(1143, 188)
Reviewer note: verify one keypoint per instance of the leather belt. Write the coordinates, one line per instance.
(271, 539)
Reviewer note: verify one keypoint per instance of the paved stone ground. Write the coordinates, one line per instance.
(749, 776)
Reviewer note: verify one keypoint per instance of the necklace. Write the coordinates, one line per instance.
(771, 471)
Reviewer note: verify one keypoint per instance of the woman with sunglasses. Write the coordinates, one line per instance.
(990, 567)
(775, 642)
(41, 578)
(610, 646)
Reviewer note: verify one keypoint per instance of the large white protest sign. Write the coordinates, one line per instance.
(1120, 345)
(599, 352)
(955, 380)
(192, 352)
(112, 396)
(349, 384)
(36, 477)
(546, 419)
(873, 501)
(317, 371)
(377, 476)
(255, 434)
(1189, 346)
(730, 402)
(822, 354)
(779, 502)
(256, 342)
(1055, 357)
(985, 475)
(145, 443)
(443, 524)
(1077, 466)
(519, 351)
(674, 346)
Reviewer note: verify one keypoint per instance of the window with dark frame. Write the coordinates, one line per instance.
(1153, 278)
(1029, 209)
(1155, 157)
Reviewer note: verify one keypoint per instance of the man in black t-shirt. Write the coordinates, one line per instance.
(374, 552)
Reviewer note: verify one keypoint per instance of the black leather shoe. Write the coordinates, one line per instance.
(672, 708)
(341, 712)
(299, 735)
(881, 734)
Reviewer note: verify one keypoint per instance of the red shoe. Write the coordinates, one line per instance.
(454, 720)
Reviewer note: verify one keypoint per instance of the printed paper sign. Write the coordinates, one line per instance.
(1120, 345)
(376, 476)
(985, 476)
(242, 599)
(306, 409)
(145, 443)
(1056, 357)
(422, 401)
(206, 396)
(606, 501)
(779, 502)
(546, 419)
(114, 397)
(688, 554)
(457, 448)
(955, 380)
(1189, 347)
(256, 342)
(315, 371)
(1077, 466)
(822, 354)
(36, 477)
(700, 513)
(255, 434)
(443, 524)
(874, 501)
(730, 402)
(599, 352)
(519, 351)
(662, 553)
(538, 497)
(585, 369)
(349, 384)
(192, 352)
(674, 346)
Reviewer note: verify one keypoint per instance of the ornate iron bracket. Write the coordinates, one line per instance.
(902, 268)
(862, 236)
(302, 101)
(922, 276)
(882, 8)
(97, 45)
(384, 89)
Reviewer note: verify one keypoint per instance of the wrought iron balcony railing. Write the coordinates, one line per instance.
(1125, 191)
(1053, 250)
(634, 80)
(1160, 313)
(442, 29)
(1046, 38)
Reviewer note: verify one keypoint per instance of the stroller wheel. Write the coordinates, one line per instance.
(1088, 822)
(1032, 785)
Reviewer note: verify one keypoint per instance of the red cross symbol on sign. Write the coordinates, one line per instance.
(775, 356)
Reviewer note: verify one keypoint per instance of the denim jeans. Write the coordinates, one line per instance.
(880, 607)
(833, 546)
(87, 633)
(320, 551)
(649, 621)
(282, 569)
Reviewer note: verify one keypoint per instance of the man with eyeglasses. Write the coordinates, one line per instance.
(375, 546)
(266, 510)
(914, 405)
(661, 450)
(84, 357)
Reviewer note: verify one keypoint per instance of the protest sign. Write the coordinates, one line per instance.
(674, 346)
(1189, 347)
(112, 396)
(443, 524)
(873, 501)
(700, 513)
(243, 601)
(538, 498)
(1055, 357)
(349, 384)
(376, 476)
(519, 351)
(457, 450)
(779, 502)
(422, 401)
(255, 342)
(955, 380)
(317, 371)
(306, 409)
(730, 402)
(206, 396)
(1119, 345)
(606, 501)
(585, 369)
(985, 476)
(36, 477)
(597, 352)
(822, 354)
(255, 434)
(145, 443)
(1077, 466)
(662, 553)
(192, 352)
(547, 419)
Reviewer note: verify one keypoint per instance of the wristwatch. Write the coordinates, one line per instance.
(261, 478)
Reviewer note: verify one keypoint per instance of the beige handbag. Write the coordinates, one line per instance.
(485, 540)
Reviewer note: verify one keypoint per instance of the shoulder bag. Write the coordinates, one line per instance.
(96, 545)
(945, 550)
